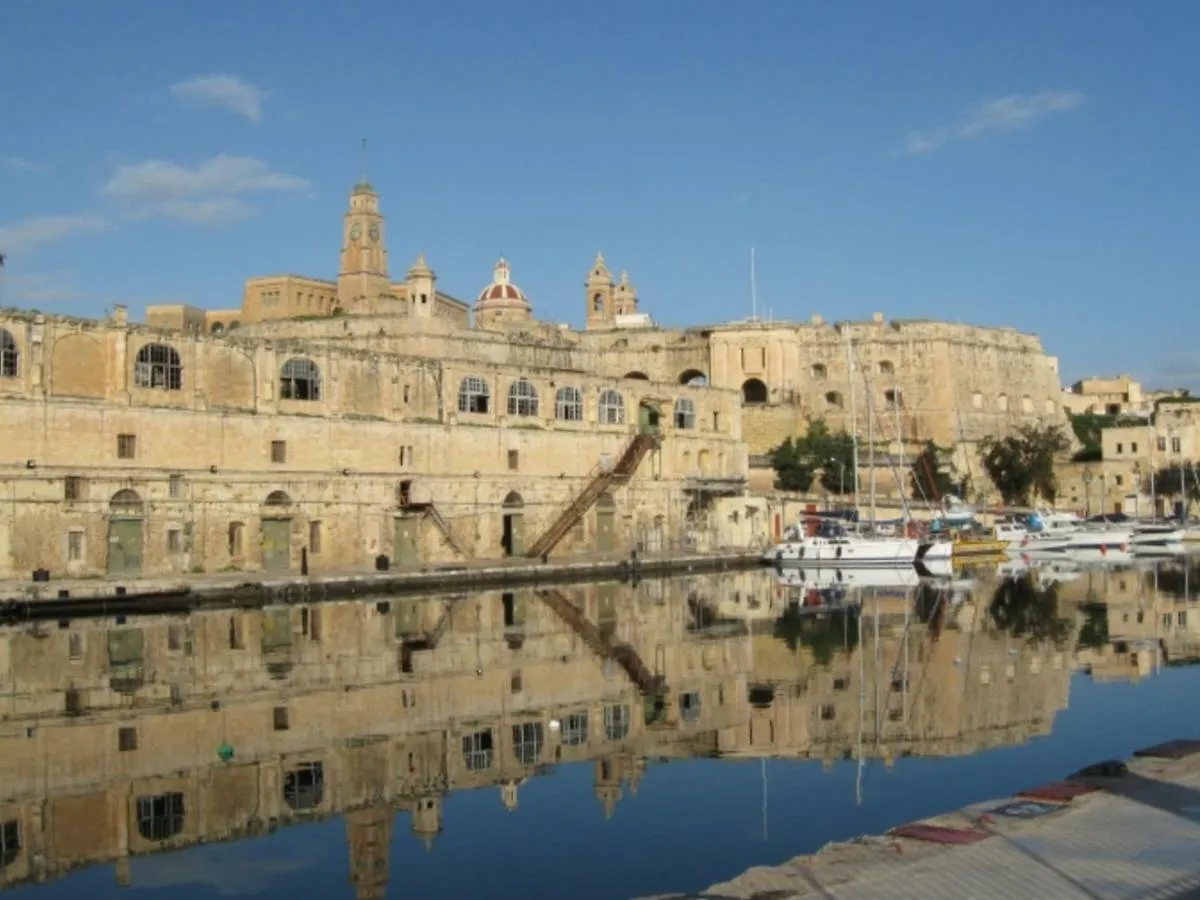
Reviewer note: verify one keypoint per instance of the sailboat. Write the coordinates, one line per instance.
(835, 544)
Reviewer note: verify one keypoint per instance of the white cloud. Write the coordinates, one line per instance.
(19, 165)
(226, 92)
(27, 234)
(1015, 112)
(29, 290)
(209, 194)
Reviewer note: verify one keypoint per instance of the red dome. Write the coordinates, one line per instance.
(502, 292)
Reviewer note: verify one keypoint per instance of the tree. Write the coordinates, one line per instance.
(1021, 465)
(931, 475)
(1177, 480)
(793, 471)
(797, 460)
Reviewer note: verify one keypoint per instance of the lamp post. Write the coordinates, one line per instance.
(1088, 476)
(841, 476)
(1137, 490)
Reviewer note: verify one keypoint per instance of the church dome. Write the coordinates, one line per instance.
(501, 293)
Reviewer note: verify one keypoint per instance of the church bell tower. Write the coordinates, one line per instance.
(363, 275)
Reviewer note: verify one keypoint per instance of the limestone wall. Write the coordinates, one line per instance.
(205, 430)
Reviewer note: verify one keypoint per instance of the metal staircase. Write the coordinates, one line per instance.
(601, 480)
(623, 655)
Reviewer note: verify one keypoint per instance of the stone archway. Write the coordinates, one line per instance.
(512, 536)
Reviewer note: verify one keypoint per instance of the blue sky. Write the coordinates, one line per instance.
(1008, 163)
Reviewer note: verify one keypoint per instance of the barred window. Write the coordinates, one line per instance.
(10, 357)
(685, 413)
(522, 398)
(300, 379)
(158, 367)
(568, 405)
(474, 395)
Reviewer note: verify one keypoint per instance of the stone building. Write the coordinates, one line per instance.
(148, 734)
(330, 422)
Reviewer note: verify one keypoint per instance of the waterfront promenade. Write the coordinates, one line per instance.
(1121, 837)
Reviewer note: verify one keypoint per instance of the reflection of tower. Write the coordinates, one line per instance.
(427, 819)
(369, 832)
(609, 775)
(508, 795)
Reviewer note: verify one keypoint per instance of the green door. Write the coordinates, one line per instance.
(513, 540)
(408, 530)
(124, 546)
(605, 541)
(277, 544)
(647, 417)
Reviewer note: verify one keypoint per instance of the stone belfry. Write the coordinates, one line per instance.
(625, 298)
(599, 290)
(363, 274)
(369, 832)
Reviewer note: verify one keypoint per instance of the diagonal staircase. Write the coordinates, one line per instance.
(435, 516)
(636, 450)
(623, 655)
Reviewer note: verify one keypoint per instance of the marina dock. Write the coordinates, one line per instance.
(1116, 831)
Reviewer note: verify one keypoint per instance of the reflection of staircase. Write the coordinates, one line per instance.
(435, 516)
(622, 654)
(601, 480)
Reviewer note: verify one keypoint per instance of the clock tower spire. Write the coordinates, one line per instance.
(363, 274)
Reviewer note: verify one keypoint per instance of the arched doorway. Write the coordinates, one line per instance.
(694, 378)
(276, 528)
(606, 517)
(126, 519)
(513, 537)
(648, 416)
(753, 392)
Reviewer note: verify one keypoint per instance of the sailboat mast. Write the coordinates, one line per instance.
(753, 289)
(853, 414)
(869, 390)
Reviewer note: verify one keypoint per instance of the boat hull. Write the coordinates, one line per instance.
(847, 552)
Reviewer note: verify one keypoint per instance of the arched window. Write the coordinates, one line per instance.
(522, 398)
(125, 503)
(819, 372)
(694, 378)
(616, 722)
(300, 379)
(474, 395)
(893, 397)
(1002, 402)
(611, 408)
(977, 400)
(160, 816)
(1026, 404)
(10, 357)
(886, 368)
(527, 742)
(685, 413)
(637, 376)
(157, 366)
(217, 328)
(568, 405)
(754, 392)
(833, 400)
(598, 303)
(304, 786)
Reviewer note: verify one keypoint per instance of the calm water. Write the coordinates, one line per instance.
(498, 744)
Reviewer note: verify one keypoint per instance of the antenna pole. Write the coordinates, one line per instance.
(362, 161)
(753, 289)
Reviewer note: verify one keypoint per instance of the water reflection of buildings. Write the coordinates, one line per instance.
(120, 738)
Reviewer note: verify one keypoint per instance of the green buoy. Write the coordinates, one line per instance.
(225, 752)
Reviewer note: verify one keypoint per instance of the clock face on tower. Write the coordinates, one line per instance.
(374, 231)
(355, 231)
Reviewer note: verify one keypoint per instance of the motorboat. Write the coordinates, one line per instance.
(1052, 532)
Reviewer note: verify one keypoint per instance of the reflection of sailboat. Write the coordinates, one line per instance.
(898, 579)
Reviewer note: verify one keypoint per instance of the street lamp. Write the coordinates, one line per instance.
(1088, 477)
(841, 476)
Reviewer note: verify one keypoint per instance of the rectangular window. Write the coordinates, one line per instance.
(407, 393)
(279, 452)
(174, 540)
(73, 488)
(1133, 447)
(1162, 445)
(75, 645)
(126, 446)
(281, 718)
(314, 537)
(74, 546)
(406, 457)
(1120, 479)
(1176, 445)
(126, 739)
(514, 460)
(1120, 448)
(175, 486)
(716, 421)
(404, 493)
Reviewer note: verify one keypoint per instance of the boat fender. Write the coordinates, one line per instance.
(800, 555)
(839, 552)
(1104, 549)
(779, 556)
